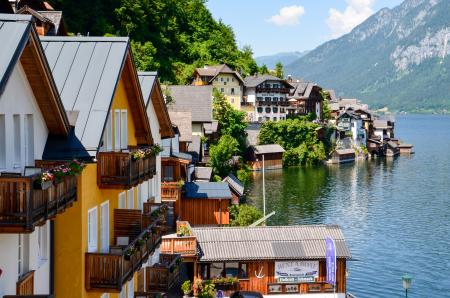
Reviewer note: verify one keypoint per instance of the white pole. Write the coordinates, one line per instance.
(264, 186)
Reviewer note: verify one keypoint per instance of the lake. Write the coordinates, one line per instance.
(395, 213)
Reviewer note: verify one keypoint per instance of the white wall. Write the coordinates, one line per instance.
(156, 135)
(9, 262)
(18, 98)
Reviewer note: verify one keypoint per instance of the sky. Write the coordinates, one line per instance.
(274, 26)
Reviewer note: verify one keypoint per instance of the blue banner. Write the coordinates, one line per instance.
(331, 261)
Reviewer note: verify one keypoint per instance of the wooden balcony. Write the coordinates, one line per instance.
(108, 272)
(182, 243)
(119, 170)
(170, 191)
(272, 90)
(23, 207)
(162, 276)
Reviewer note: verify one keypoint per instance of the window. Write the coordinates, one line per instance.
(105, 295)
(267, 98)
(22, 259)
(275, 110)
(17, 145)
(216, 270)
(228, 79)
(140, 201)
(29, 140)
(131, 288)
(232, 79)
(232, 91)
(260, 110)
(124, 129)
(150, 188)
(168, 173)
(224, 83)
(116, 130)
(122, 200)
(222, 90)
(130, 199)
(107, 137)
(281, 110)
(92, 230)
(268, 110)
(42, 242)
(104, 227)
(275, 99)
(221, 79)
(259, 98)
(2, 142)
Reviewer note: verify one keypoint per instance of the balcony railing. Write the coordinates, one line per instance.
(170, 191)
(183, 242)
(121, 171)
(162, 276)
(272, 90)
(23, 206)
(108, 272)
(25, 285)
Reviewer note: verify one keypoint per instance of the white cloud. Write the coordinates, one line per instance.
(342, 22)
(288, 16)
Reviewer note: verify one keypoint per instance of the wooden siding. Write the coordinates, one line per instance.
(268, 164)
(203, 211)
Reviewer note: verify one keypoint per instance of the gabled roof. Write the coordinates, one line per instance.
(195, 99)
(20, 42)
(151, 91)
(87, 71)
(183, 121)
(235, 184)
(58, 22)
(253, 81)
(269, 243)
(349, 114)
(214, 70)
(302, 90)
(265, 149)
(207, 190)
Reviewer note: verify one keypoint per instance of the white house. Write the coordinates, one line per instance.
(351, 125)
(30, 111)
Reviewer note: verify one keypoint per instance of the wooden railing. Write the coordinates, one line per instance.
(184, 245)
(25, 285)
(109, 271)
(22, 207)
(119, 170)
(162, 276)
(170, 191)
(272, 90)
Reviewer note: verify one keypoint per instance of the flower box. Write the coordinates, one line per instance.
(39, 184)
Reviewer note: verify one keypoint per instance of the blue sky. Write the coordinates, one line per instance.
(273, 26)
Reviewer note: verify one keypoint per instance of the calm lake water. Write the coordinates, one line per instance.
(395, 214)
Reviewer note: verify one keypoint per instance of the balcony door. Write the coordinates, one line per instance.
(104, 227)
(130, 199)
(122, 198)
(92, 230)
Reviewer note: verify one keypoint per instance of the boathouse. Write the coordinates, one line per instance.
(272, 260)
(272, 153)
(343, 156)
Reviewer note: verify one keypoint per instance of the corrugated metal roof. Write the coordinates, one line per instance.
(87, 71)
(14, 33)
(207, 190)
(147, 80)
(183, 120)
(270, 148)
(194, 99)
(234, 184)
(269, 243)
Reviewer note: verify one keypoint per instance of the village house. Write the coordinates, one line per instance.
(305, 98)
(272, 260)
(271, 154)
(198, 101)
(267, 97)
(383, 129)
(31, 112)
(223, 79)
(339, 156)
(350, 125)
(112, 228)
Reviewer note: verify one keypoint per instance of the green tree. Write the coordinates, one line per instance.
(221, 155)
(243, 215)
(326, 106)
(279, 72)
(263, 69)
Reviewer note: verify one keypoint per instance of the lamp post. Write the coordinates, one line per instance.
(406, 278)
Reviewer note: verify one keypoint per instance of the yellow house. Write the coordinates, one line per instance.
(103, 240)
(224, 79)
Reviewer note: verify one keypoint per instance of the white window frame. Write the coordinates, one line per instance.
(104, 227)
(122, 201)
(29, 139)
(130, 198)
(43, 243)
(117, 130)
(108, 136)
(140, 201)
(123, 291)
(2, 141)
(17, 135)
(130, 288)
(124, 129)
(92, 229)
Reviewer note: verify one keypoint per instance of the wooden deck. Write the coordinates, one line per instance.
(170, 191)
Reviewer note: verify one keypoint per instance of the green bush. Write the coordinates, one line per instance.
(243, 215)
(186, 287)
(221, 154)
(208, 290)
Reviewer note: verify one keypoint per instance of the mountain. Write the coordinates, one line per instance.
(285, 58)
(399, 58)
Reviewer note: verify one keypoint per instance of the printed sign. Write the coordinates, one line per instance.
(331, 261)
(296, 271)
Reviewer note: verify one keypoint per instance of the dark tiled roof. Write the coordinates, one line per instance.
(56, 18)
(203, 173)
(235, 184)
(207, 190)
(302, 90)
(214, 70)
(194, 99)
(269, 243)
(183, 120)
(253, 81)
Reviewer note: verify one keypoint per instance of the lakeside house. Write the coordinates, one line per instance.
(31, 113)
(273, 157)
(350, 125)
(305, 98)
(339, 156)
(223, 79)
(274, 260)
(266, 98)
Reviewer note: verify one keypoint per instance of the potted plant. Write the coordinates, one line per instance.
(76, 167)
(129, 253)
(138, 154)
(183, 231)
(44, 181)
(186, 287)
